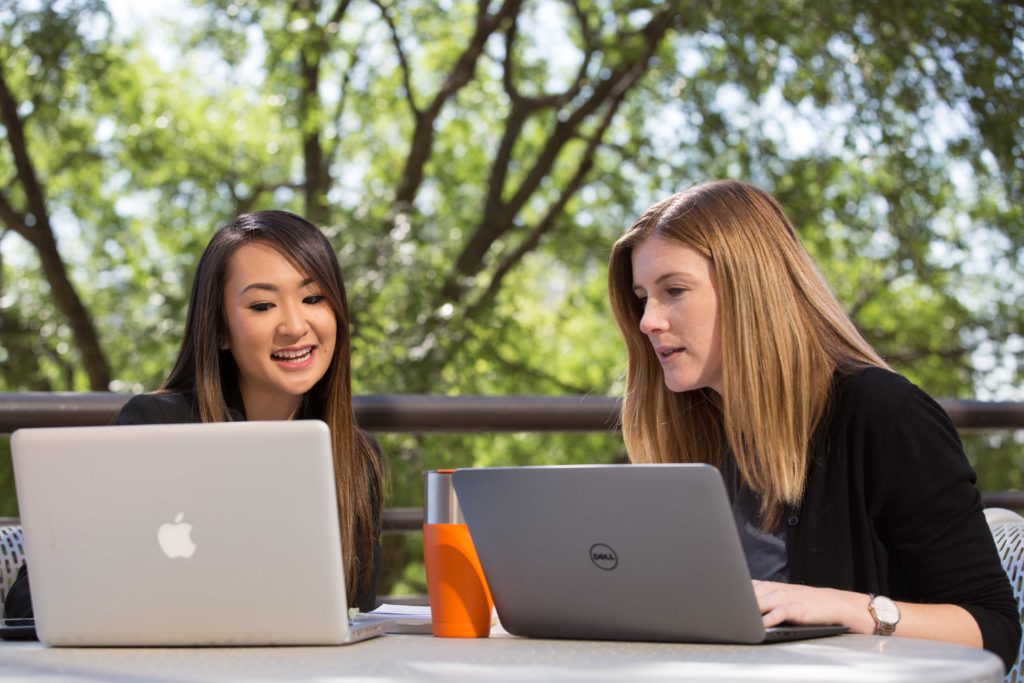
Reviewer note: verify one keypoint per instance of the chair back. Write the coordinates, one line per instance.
(12, 554)
(1008, 531)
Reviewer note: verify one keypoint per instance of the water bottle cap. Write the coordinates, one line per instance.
(440, 505)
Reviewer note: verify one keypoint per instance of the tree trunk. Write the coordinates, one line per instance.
(40, 235)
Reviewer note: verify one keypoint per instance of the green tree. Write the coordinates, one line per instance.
(48, 48)
(473, 160)
(475, 163)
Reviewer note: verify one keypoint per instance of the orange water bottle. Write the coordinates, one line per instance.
(460, 603)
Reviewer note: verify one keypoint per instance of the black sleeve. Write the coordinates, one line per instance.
(367, 598)
(18, 603)
(156, 409)
(929, 516)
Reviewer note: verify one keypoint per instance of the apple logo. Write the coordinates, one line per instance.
(174, 538)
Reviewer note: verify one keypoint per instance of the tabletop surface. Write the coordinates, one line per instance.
(508, 658)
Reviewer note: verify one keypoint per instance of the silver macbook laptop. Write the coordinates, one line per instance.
(185, 534)
(621, 552)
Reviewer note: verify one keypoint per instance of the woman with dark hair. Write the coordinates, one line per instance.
(849, 484)
(267, 338)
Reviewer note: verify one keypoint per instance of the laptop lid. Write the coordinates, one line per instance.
(182, 534)
(623, 552)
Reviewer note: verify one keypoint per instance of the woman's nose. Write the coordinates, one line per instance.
(652, 319)
(293, 324)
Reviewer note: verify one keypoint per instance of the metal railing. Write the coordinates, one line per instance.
(384, 413)
(464, 414)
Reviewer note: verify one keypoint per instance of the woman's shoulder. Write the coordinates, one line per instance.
(873, 388)
(870, 380)
(881, 396)
(158, 408)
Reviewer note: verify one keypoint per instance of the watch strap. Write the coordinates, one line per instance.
(883, 628)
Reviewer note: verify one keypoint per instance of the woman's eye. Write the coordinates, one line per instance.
(261, 307)
(676, 291)
(314, 299)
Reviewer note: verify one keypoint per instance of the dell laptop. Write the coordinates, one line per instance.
(183, 535)
(621, 552)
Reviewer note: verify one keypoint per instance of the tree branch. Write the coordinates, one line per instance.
(339, 12)
(423, 135)
(40, 235)
(346, 79)
(22, 161)
(317, 180)
(546, 224)
(554, 99)
(403, 62)
(517, 116)
(499, 218)
(620, 82)
(521, 369)
(14, 220)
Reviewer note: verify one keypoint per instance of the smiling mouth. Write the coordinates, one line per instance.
(293, 356)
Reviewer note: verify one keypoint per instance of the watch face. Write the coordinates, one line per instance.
(885, 610)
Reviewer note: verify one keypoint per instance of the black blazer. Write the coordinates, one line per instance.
(890, 507)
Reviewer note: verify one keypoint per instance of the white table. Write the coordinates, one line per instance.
(502, 658)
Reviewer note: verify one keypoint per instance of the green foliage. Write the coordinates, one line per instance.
(473, 170)
(8, 500)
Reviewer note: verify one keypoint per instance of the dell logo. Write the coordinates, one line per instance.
(603, 557)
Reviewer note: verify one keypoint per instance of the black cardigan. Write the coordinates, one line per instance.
(891, 508)
(169, 409)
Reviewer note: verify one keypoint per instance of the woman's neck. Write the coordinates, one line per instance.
(270, 407)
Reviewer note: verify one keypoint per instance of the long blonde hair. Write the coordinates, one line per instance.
(784, 337)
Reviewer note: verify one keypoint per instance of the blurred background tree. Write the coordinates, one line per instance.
(473, 162)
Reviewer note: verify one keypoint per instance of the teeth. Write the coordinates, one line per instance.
(291, 355)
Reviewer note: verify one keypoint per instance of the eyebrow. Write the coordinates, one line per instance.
(266, 286)
(664, 277)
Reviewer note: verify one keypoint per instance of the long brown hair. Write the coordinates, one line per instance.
(208, 372)
(784, 337)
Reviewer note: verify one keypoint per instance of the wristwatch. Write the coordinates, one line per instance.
(885, 613)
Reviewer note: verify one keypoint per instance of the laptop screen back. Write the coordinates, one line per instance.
(183, 534)
(625, 552)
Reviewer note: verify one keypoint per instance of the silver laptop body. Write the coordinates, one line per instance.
(183, 534)
(622, 552)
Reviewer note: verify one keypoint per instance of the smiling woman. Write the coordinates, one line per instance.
(280, 331)
(266, 338)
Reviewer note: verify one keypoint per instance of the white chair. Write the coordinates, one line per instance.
(12, 554)
(1002, 516)
(1008, 531)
